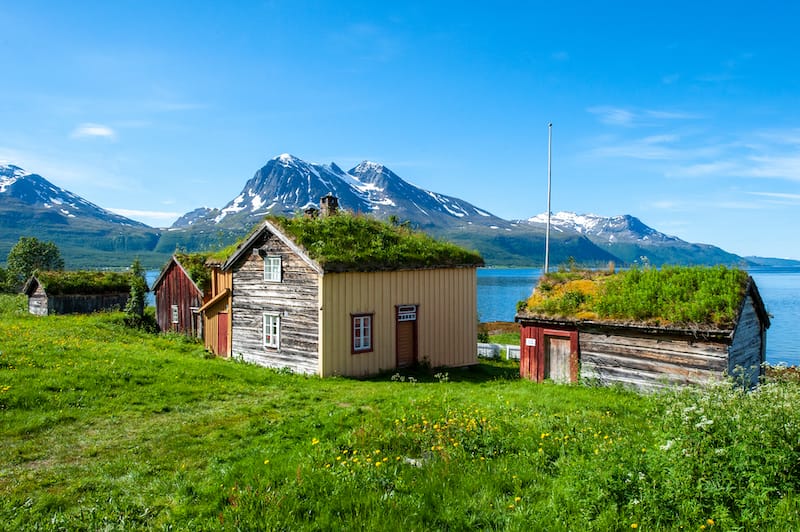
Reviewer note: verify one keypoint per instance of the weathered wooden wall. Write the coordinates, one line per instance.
(647, 359)
(38, 303)
(294, 299)
(446, 317)
(749, 347)
(176, 288)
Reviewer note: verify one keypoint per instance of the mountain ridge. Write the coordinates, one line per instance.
(32, 206)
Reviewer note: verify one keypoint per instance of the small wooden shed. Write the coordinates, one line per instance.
(295, 306)
(76, 292)
(178, 300)
(642, 354)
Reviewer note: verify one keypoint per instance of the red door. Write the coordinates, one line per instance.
(222, 334)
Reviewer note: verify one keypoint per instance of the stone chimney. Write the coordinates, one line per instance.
(328, 204)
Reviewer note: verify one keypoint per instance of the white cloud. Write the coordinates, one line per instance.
(781, 198)
(619, 116)
(614, 116)
(152, 218)
(93, 130)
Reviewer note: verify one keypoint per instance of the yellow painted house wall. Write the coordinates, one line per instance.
(447, 317)
(220, 281)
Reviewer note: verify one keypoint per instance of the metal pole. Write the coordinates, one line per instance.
(547, 233)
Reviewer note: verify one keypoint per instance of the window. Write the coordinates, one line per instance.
(362, 333)
(175, 314)
(272, 330)
(272, 269)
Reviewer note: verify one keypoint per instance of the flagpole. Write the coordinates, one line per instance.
(547, 233)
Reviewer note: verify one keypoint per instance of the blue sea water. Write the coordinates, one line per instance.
(500, 289)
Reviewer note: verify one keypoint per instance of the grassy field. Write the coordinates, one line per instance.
(105, 428)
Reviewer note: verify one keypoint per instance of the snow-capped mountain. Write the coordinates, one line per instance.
(18, 187)
(87, 235)
(602, 229)
(287, 184)
(631, 240)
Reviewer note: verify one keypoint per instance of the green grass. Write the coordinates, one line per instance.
(102, 427)
(353, 242)
(697, 295)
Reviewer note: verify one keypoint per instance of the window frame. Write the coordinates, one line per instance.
(175, 314)
(274, 328)
(273, 273)
(361, 319)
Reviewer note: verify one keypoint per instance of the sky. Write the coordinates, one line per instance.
(683, 114)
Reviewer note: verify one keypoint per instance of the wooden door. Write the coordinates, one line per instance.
(406, 335)
(557, 359)
(222, 334)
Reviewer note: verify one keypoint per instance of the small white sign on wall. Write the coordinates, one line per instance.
(530, 342)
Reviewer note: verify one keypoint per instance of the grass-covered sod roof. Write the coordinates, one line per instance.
(670, 296)
(84, 282)
(346, 242)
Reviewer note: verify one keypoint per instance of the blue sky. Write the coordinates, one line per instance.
(684, 114)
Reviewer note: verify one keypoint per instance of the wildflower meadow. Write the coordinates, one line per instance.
(105, 427)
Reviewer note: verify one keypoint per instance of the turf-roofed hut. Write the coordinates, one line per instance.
(77, 292)
(644, 328)
(341, 294)
(179, 292)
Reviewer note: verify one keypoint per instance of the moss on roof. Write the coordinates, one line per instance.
(347, 242)
(84, 282)
(670, 296)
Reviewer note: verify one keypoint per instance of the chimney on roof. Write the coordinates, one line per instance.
(328, 204)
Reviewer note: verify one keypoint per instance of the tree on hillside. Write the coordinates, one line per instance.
(29, 255)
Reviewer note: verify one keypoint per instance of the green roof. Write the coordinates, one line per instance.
(347, 242)
(670, 296)
(84, 282)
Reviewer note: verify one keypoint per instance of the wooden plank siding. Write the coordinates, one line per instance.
(648, 361)
(749, 347)
(294, 299)
(446, 317)
(216, 318)
(176, 288)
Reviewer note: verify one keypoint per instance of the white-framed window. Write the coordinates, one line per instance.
(272, 269)
(272, 330)
(175, 318)
(362, 333)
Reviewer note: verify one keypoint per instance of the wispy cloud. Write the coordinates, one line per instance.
(87, 130)
(614, 116)
(629, 117)
(782, 198)
(153, 218)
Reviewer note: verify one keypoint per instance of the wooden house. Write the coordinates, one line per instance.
(178, 300)
(76, 292)
(294, 306)
(644, 354)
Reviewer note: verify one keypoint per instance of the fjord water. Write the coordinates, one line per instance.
(500, 289)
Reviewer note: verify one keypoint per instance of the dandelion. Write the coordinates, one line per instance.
(634, 525)
(517, 499)
(710, 522)
(314, 441)
(266, 461)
